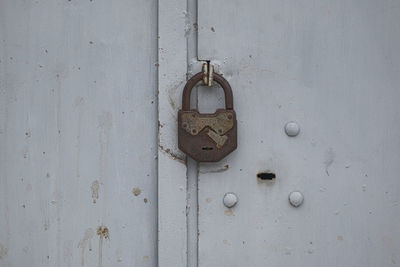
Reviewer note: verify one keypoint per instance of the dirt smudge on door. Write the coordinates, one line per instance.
(3, 251)
(86, 241)
(95, 190)
(79, 104)
(329, 159)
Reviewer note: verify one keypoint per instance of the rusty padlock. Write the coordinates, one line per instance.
(207, 137)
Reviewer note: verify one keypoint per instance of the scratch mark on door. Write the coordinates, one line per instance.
(329, 158)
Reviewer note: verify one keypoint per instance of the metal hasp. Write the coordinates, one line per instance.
(207, 137)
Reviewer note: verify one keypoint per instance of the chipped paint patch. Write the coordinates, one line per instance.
(146, 258)
(340, 238)
(136, 191)
(95, 190)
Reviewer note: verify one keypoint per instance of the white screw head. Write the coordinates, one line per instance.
(230, 200)
(292, 129)
(296, 198)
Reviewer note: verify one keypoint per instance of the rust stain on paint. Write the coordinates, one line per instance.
(103, 233)
(229, 212)
(174, 156)
(136, 191)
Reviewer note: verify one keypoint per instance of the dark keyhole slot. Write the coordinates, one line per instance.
(266, 175)
(207, 148)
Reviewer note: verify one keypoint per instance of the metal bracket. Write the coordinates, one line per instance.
(208, 72)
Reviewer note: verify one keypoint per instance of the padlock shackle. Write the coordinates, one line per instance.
(197, 78)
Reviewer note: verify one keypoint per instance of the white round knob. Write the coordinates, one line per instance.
(292, 129)
(296, 198)
(230, 200)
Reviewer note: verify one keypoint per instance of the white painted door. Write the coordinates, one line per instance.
(333, 67)
(78, 133)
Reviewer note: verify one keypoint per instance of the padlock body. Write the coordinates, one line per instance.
(207, 137)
